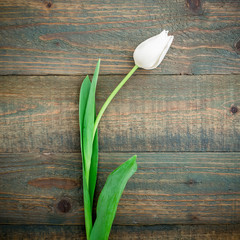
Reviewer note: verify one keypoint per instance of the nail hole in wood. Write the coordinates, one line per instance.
(191, 182)
(234, 109)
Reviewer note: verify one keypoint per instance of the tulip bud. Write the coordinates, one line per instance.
(150, 53)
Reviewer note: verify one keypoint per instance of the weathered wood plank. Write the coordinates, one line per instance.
(59, 37)
(161, 232)
(168, 188)
(151, 113)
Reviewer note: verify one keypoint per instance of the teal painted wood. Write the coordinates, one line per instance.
(159, 232)
(38, 117)
(168, 188)
(150, 113)
(59, 37)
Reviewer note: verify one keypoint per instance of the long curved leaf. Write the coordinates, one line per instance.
(83, 98)
(89, 146)
(88, 123)
(109, 199)
(94, 160)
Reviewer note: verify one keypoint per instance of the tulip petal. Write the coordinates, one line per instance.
(150, 53)
(170, 40)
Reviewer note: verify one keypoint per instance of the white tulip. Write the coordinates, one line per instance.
(150, 53)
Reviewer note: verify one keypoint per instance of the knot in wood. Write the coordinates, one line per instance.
(49, 4)
(64, 206)
(237, 46)
(194, 5)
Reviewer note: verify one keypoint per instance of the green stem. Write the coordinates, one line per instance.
(87, 206)
(115, 91)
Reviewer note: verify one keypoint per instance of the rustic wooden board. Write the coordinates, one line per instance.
(161, 232)
(67, 37)
(185, 129)
(168, 188)
(151, 113)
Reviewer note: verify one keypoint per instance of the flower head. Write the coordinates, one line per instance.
(150, 53)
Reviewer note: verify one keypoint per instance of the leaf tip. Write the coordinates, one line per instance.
(133, 160)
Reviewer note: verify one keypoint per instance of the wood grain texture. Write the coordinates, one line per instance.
(150, 113)
(59, 37)
(168, 188)
(161, 232)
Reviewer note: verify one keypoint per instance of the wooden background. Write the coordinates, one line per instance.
(181, 119)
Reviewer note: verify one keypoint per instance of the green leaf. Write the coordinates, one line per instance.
(83, 98)
(89, 146)
(88, 123)
(93, 168)
(109, 199)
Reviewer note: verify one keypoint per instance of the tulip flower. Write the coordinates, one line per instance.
(150, 53)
